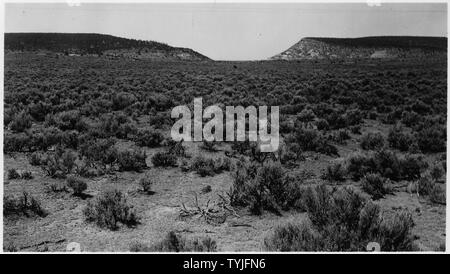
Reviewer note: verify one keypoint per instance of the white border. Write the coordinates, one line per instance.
(71, 2)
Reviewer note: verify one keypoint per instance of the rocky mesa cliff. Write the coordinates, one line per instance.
(375, 47)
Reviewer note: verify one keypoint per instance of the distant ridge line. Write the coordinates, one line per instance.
(381, 47)
(99, 44)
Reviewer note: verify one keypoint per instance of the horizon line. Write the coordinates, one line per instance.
(222, 60)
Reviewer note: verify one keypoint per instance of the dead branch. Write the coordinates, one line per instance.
(212, 213)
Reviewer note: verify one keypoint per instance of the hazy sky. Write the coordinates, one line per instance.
(230, 31)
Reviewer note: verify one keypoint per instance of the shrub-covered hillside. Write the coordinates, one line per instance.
(91, 43)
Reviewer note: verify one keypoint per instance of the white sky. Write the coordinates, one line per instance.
(230, 31)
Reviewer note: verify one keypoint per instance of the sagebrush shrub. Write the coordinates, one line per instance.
(374, 185)
(77, 184)
(386, 163)
(425, 184)
(99, 151)
(36, 158)
(122, 100)
(412, 166)
(242, 174)
(359, 164)
(306, 116)
(322, 124)
(10, 247)
(116, 124)
(13, 174)
(420, 107)
(353, 117)
(160, 102)
(290, 154)
(372, 141)
(432, 139)
(131, 160)
(342, 220)
(324, 147)
(223, 164)
(436, 172)
(334, 172)
(52, 167)
(401, 140)
(311, 140)
(269, 188)
(67, 161)
(148, 137)
(209, 145)
(318, 203)
(47, 137)
(438, 194)
(175, 148)
(70, 138)
(286, 126)
(336, 120)
(372, 115)
(430, 188)
(39, 110)
(109, 209)
(67, 120)
(340, 136)
(25, 204)
(356, 129)
(21, 122)
(294, 237)
(20, 142)
(395, 232)
(241, 147)
(58, 164)
(58, 187)
(146, 184)
(176, 243)
(26, 175)
(206, 189)
(159, 119)
(203, 166)
(164, 159)
(8, 115)
(295, 187)
(411, 118)
(307, 139)
(265, 188)
(209, 166)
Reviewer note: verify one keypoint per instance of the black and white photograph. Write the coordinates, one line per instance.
(224, 127)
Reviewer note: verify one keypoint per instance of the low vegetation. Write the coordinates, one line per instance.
(176, 243)
(25, 204)
(375, 185)
(342, 220)
(265, 188)
(146, 184)
(372, 141)
(109, 209)
(335, 172)
(387, 163)
(78, 185)
(164, 159)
